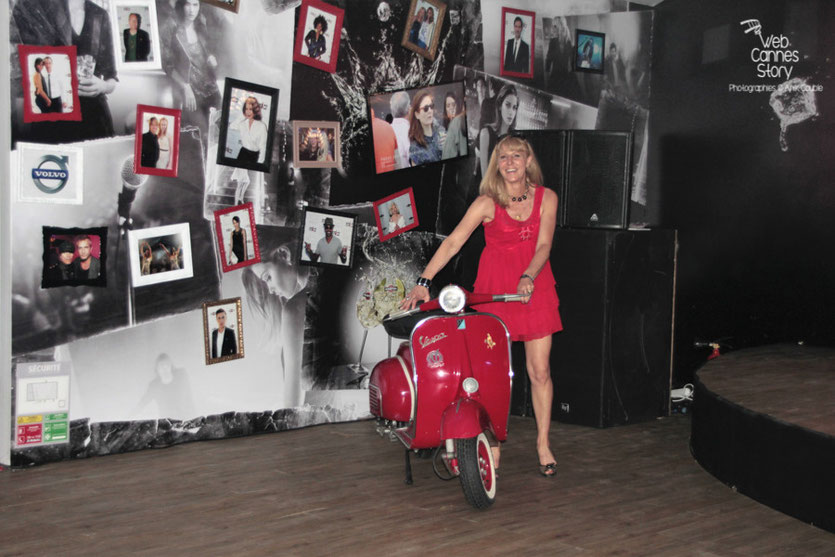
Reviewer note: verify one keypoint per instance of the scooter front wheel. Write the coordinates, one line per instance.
(477, 473)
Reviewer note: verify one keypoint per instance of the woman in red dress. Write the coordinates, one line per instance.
(519, 216)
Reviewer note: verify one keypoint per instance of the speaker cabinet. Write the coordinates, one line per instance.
(612, 363)
(597, 180)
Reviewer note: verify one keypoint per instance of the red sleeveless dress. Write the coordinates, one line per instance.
(510, 247)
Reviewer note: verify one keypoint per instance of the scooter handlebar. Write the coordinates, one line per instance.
(472, 299)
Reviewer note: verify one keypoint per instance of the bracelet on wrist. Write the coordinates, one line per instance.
(527, 276)
(425, 282)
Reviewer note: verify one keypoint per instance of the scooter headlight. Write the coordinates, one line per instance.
(470, 385)
(452, 298)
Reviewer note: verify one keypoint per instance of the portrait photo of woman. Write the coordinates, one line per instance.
(318, 34)
(246, 129)
(236, 236)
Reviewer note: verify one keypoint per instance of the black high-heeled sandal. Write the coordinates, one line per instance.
(548, 470)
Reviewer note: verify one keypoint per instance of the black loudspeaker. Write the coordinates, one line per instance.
(550, 147)
(598, 170)
(611, 364)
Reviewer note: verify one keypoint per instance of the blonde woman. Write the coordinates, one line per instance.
(519, 216)
(164, 160)
(396, 220)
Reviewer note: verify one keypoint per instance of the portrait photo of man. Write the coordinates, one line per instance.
(518, 39)
(223, 330)
(55, 87)
(63, 269)
(150, 144)
(223, 338)
(137, 41)
(517, 54)
(329, 249)
(86, 267)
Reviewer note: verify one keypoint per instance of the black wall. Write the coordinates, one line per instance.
(756, 223)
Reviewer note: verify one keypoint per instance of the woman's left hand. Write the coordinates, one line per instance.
(94, 86)
(212, 61)
(525, 287)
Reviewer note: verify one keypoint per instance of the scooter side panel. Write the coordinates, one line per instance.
(390, 391)
(488, 344)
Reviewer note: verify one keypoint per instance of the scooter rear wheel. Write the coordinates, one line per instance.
(477, 473)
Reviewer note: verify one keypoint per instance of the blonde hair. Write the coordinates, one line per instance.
(393, 207)
(161, 131)
(492, 185)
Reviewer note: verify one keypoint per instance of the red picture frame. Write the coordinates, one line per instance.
(65, 66)
(517, 67)
(404, 202)
(308, 52)
(224, 227)
(143, 115)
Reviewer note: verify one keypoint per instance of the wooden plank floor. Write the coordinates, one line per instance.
(338, 490)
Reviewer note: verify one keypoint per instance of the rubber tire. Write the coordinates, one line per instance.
(478, 477)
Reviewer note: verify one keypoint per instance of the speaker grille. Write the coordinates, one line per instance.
(597, 185)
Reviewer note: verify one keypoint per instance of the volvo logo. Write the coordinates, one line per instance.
(51, 174)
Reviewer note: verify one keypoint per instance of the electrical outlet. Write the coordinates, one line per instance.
(564, 407)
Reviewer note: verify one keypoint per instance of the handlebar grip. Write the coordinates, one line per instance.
(401, 313)
(509, 297)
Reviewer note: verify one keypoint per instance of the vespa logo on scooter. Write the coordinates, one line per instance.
(426, 341)
(435, 359)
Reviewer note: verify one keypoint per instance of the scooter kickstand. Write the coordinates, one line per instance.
(408, 468)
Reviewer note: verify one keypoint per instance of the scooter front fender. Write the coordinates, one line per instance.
(465, 418)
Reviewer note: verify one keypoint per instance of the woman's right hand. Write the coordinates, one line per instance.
(418, 294)
(190, 99)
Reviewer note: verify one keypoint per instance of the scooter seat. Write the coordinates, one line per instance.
(402, 328)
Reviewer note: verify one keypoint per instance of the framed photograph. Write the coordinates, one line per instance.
(316, 144)
(418, 126)
(317, 36)
(231, 5)
(135, 35)
(50, 83)
(223, 331)
(160, 254)
(157, 143)
(395, 214)
(517, 42)
(237, 238)
(74, 256)
(589, 51)
(423, 27)
(49, 174)
(247, 125)
(327, 238)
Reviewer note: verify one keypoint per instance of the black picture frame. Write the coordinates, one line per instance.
(55, 273)
(587, 46)
(235, 93)
(380, 107)
(313, 230)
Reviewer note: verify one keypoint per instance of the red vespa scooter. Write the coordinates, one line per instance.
(448, 389)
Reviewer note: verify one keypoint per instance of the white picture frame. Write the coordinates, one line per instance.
(120, 11)
(161, 240)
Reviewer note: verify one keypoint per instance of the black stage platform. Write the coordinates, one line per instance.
(764, 424)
